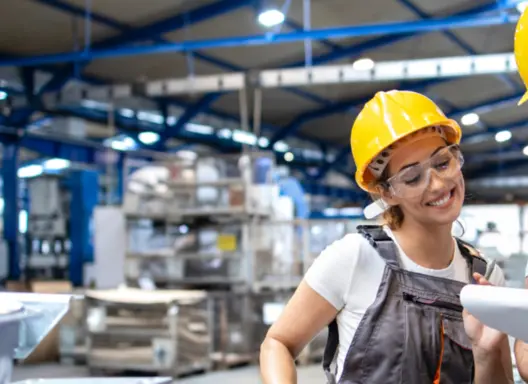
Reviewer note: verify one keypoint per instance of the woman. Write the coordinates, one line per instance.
(390, 294)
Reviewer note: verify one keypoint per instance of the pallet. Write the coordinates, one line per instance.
(223, 361)
(77, 356)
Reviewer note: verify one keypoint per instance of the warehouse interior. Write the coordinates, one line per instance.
(177, 165)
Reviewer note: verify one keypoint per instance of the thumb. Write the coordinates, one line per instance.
(481, 280)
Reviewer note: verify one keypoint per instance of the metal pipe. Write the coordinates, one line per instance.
(307, 26)
(253, 40)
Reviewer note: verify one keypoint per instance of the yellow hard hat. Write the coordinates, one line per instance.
(387, 118)
(521, 50)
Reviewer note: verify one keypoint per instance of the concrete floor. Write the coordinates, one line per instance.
(245, 375)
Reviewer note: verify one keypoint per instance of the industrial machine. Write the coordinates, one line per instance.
(59, 225)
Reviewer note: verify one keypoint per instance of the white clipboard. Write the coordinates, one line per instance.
(504, 309)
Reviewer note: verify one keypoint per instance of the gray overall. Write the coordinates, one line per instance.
(413, 332)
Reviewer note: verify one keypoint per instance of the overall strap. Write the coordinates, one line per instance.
(381, 242)
(386, 248)
(476, 262)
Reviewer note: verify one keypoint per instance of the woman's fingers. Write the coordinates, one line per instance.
(481, 280)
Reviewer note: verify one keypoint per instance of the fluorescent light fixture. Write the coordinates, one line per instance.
(330, 211)
(92, 104)
(148, 137)
(288, 156)
(150, 117)
(30, 171)
(126, 112)
(225, 133)
(521, 6)
(171, 120)
(129, 142)
(470, 119)
(199, 128)
(244, 137)
(525, 150)
(281, 146)
(271, 17)
(364, 64)
(263, 142)
(56, 164)
(121, 143)
(3, 95)
(503, 136)
(118, 145)
(351, 211)
(22, 221)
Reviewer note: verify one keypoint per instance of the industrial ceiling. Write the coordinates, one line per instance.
(317, 118)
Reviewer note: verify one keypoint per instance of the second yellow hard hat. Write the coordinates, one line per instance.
(521, 50)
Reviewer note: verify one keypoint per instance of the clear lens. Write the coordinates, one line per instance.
(413, 181)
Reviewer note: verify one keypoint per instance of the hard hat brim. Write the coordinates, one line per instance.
(523, 99)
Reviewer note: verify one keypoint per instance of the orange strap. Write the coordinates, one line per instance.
(439, 369)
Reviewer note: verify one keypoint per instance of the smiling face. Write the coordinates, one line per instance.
(440, 199)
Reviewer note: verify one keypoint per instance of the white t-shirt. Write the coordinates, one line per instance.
(348, 273)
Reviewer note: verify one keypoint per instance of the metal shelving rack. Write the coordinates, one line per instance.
(203, 233)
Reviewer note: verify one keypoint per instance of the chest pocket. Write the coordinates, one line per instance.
(436, 341)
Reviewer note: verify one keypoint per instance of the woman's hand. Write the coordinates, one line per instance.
(491, 350)
(486, 341)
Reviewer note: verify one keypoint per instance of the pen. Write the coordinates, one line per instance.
(490, 269)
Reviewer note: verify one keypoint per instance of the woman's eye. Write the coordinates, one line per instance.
(412, 181)
(442, 165)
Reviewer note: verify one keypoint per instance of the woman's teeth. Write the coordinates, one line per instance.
(441, 201)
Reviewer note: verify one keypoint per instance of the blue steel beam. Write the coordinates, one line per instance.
(452, 37)
(172, 23)
(394, 28)
(10, 195)
(61, 78)
(351, 105)
(192, 112)
(383, 41)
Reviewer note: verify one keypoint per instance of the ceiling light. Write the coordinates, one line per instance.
(244, 137)
(30, 171)
(126, 112)
(525, 150)
(503, 136)
(3, 95)
(365, 64)
(470, 119)
(56, 164)
(118, 146)
(225, 133)
(148, 138)
(199, 128)
(270, 17)
(263, 142)
(521, 6)
(288, 156)
(281, 146)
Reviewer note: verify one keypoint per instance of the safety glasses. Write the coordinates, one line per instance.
(414, 180)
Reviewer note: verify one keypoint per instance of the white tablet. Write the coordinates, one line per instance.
(505, 309)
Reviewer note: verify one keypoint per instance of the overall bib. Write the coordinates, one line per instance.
(413, 332)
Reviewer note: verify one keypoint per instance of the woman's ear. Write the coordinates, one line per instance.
(386, 195)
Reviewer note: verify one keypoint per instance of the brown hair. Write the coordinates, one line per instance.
(393, 216)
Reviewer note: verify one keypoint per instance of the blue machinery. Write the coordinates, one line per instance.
(52, 234)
